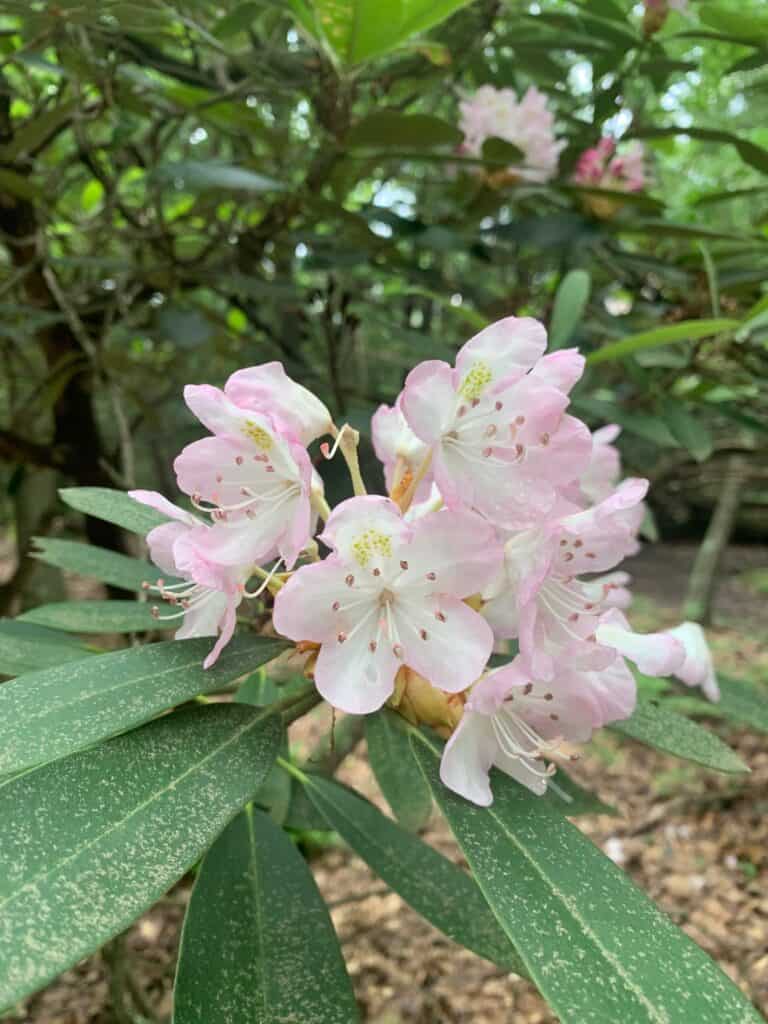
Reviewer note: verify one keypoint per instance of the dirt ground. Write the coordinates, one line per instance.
(696, 841)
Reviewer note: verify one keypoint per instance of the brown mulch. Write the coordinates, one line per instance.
(696, 841)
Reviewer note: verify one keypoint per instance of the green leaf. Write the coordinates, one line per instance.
(403, 131)
(688, 330)
(359, 30)
(113, 506)
(97, 617)
(18, 184)
(398, 775)
(676, 735)
(48, 714)
(692, 433)
(577, 800)
(25, 647)
(237, 20)
(750, 153)
(199, 175)
(743, 702)
(277, 957)
(442, 893)
(99, 563)
(594, 944)
(570, 302)
(499, 151)
(92, 841)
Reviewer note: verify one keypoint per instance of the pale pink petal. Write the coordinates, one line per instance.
(304, 606)
(227, 627)
(467, 759)
(365, 529)
(161, 504)
(599, 538)
(606, 435)
(615, 692)
(161, 542)
(566, 454)
(503, 351)
(356, 676)
(244, 542)
(212, 407)
(655, 654)
(195, 559)
(429, 400)
(452, 552)
(450, 652)
(561, 369)
(267, 388)
(616, 592)
(698, 668)
(204, 618)
(526, 771)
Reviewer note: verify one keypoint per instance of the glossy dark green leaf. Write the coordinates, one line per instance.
(594, 944)
(98, 617)
(99, 563)
(653, 725)
(239, 19)
(499, 151)
(25, 647)
(113, 506)
(91, 841)
(570, 302)
(396, 771)
(749, 152)
(48, 714)
(442, 893)
(277, 958)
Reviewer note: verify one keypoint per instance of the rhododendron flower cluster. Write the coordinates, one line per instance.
(528, 124)
(603, 167)
(500, 536)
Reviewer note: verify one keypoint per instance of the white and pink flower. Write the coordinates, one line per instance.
(390, 594)
(499, 437)
(253, 479)
(206, 595)
(512, 721)
(528, 124)
(603, 167)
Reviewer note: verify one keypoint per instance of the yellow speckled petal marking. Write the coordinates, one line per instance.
(372, 542)
(476, 381)
(258, 435)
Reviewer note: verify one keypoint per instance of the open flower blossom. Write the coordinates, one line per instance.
(256, 481)
(506, 519)
(390, 594)
(206, 595)
(698, 668)
(512, 721)
(603, 167)
(528, 124)
(497, 434)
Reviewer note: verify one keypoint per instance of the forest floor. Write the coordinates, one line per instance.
(696, 842)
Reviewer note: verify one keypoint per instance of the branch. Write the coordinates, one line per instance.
(18, 449)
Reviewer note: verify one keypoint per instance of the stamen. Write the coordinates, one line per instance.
(341, 637)
(335, 606)
(403, 564)
(423, 634)
(431, 576)
(372, 646)
(397, 650)
(328, 452)
(439, 616)
(349, 580)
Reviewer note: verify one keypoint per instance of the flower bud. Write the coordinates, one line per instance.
(423, 704)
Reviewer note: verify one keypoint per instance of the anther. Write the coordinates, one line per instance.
(462, 410)
(487, 452)
(403, 564)
(563, 543)
(145, 584)
(341, 637)
(431, 575)
(423, 634)
(490, 430)
(238, 460)
(397, 650)
(439, 616)
(349, 580)
(574, 617)
(591, 554)
(555, 718)
(568, 556)
(520, 450)
(377, 572)
(475, 402)
(336, 605)
(269, 469)
(499, 406)
(549, 696)
(219, 478)
(578, 543)
(372, 646)
(527, 688)
(519, 420)
(545, 439)
(155, 611)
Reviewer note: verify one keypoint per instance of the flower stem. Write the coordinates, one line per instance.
(407, 497)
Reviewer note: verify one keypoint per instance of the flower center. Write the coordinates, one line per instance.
(258, 435)
(476, 381)
(371, 542)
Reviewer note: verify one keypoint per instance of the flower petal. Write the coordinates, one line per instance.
(698, 668)
(503, 351)
(352, 676)
(304, 606)
(365, 530)
(655, 654)
(429, 400)
(459, 550)
(269, 389)
(227, 627)
(561, 369)
(450, 652)
(467, 759)
(161, 504)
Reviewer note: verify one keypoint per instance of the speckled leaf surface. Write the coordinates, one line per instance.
(258, 944)
(90, 842)
(743, 702)
(98, 563)
(113, 506)
(396, 771)
(595, 945)
(49, 714)
(438, 890)
(675, 734)
(25, 647)
(97, 617)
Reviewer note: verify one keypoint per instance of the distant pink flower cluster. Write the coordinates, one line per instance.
(602, 167)
(506, 520)
(528, 124)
